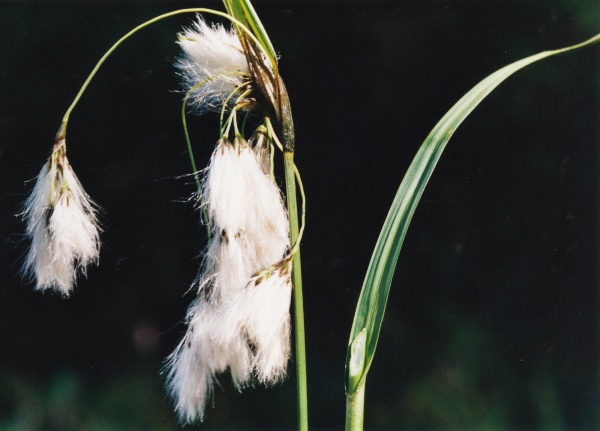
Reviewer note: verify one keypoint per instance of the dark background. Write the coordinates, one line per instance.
(492, 321)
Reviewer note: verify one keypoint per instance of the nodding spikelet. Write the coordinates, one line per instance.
(240, 197)
(247, 217)
(240, 319)
(212, 65)
(260, 311)
(62, 225)
(193, 366)
(248, 333)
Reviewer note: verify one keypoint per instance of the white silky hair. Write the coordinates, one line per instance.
(247, 217)
(212, 56)
(261, 312)
(248, 334)
(242, 198)
(193, 366)
(240, 320)
(63, 228)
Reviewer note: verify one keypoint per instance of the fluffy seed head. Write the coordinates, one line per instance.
(61, 222)
(213, 64)
(247, 333)
(193, 366)
(247, 218)
(260, 311)
(241, 197)
(240, 320)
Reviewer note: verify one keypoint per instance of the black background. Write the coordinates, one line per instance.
(492, 320)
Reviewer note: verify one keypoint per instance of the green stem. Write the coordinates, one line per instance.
(63, 129)
(355, 409)
(292, 204)
(189, 144)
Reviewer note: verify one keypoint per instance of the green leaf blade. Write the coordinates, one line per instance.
(244, 12)
(375, 291)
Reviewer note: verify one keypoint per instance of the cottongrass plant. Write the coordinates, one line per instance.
(239, 321)
(62, 226)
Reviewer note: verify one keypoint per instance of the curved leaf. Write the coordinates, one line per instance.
(244, 12)
(373, 298)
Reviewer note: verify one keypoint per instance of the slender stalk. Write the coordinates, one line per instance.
(63, 129)
(292, 204)
(355, 409)
(189, 144)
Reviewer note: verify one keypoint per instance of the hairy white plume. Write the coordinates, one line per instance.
(240, 319)
(193, 366)
(241, 198)
(61, 222)
(213, 64)
(261, 313)
(247, 217)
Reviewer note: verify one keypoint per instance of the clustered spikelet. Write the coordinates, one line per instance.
(212, 66)
(240, 320)
(62, 225)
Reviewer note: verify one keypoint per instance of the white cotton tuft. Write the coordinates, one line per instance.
(189, 380)
(240, 320)
(261, 312)
(228, 181)
(243, 200)
(61, 222)
(248, 220)
(193, 366)
(227, 264)
(213, 64)
(248, 334)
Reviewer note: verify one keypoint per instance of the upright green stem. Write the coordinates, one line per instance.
(292, 204)
(355, 409)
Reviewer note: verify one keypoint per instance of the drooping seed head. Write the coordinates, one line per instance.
(62, 225)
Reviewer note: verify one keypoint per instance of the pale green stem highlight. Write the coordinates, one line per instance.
(355, 409)
(292, 204)
(291, 174)
(189, 143)
(296, 246)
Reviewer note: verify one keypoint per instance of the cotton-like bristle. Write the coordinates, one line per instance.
(227, 185)
(62, 225)
(241, 198)
(227, 264)
(240, 319)
(192, 368)
(189, 380)
(260, 311)
(247, 218)
(212, 66)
